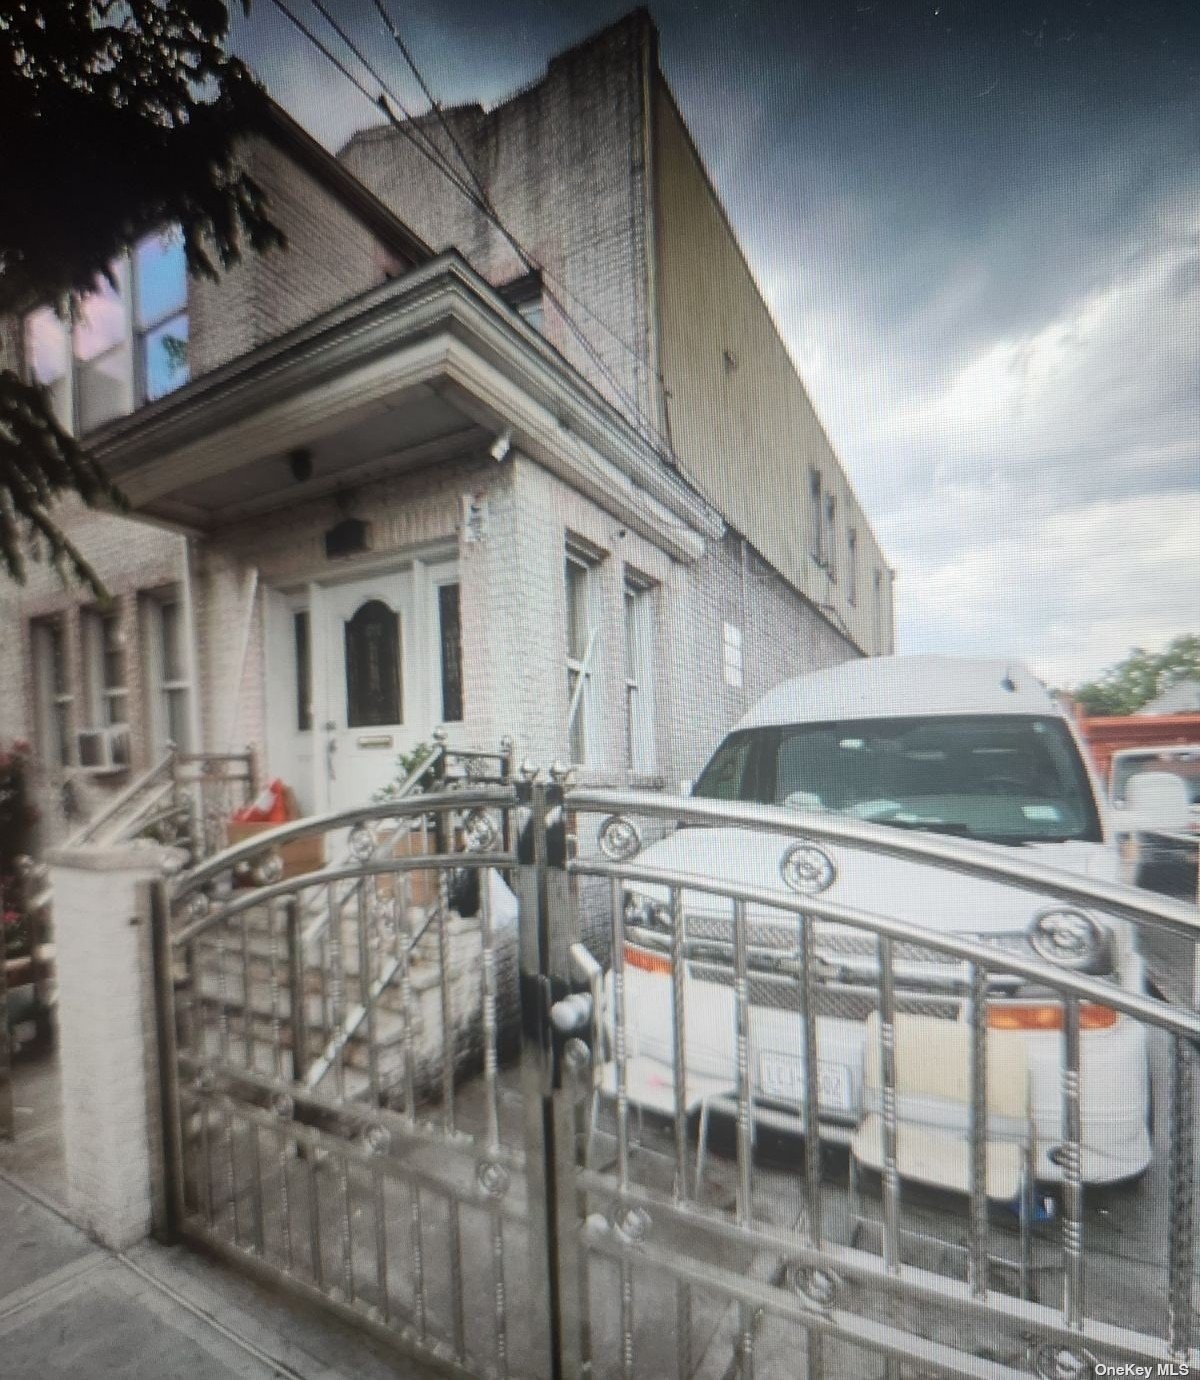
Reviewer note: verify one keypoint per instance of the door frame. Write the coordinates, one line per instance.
(430, 567)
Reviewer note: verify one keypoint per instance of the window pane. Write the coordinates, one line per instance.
(303, 671)
(724, 776)
(578, 736)
(172, 641)
(373, 693)
(177, 718)
(103, 320)
(164, 355)
(46, 344)
(450, 625)
(160, 274)
(105, 388)
(578, 629)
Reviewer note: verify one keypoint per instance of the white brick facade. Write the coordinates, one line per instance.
(567, 163)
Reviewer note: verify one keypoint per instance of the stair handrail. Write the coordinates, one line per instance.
(161, 772)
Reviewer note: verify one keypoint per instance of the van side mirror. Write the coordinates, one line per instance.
(1156, 801)
(685, 787)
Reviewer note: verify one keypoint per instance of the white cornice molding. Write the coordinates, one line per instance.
(439, 325)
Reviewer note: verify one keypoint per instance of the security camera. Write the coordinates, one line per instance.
(502, 445)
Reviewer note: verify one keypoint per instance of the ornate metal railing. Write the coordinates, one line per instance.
(184, 800)
(480, 1107)
(736, 955)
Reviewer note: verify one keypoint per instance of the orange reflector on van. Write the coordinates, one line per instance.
(1048, 1016)
(647, 960)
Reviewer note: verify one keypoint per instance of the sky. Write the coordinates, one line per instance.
(977, 225)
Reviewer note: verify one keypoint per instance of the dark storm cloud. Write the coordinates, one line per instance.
(978, 226)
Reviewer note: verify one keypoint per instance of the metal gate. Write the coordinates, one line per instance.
(507, 1085)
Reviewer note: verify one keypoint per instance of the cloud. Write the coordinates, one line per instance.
(1067, 593)
(976, 228)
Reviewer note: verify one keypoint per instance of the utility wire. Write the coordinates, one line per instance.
(411, 130)
(551, 285)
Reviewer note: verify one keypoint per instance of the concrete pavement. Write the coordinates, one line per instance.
(69, 1308)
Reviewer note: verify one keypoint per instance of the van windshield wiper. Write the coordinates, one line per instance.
(932, 826)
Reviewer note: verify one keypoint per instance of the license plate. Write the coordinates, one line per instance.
(781, 1076)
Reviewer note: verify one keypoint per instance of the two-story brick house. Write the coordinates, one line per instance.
(394, 476)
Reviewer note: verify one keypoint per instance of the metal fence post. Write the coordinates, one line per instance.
(7, 1117)
(172, 1210)
(295, 962)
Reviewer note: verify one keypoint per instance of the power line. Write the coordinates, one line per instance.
(551, 285)
(412, 130)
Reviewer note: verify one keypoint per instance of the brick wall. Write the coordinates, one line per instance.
(330, 257)
(563, 164)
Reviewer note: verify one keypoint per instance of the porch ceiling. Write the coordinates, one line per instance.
(415, 428)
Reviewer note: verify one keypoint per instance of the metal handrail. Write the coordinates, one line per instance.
(227, 860)
(85, 835)
(952, 854)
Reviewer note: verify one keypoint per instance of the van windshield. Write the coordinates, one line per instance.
(1006, 779)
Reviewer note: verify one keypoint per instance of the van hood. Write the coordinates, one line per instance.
(903, 888)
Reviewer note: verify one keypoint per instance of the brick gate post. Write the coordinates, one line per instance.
(107, 1039)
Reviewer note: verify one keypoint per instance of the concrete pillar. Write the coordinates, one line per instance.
(107, 1039)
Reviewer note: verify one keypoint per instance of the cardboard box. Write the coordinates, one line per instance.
(299, 856)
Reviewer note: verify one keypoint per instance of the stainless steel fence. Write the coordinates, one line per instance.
(749, 953)
(539, 1080)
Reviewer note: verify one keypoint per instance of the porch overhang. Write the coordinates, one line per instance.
(431, 367)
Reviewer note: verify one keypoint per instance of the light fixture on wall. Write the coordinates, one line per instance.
(501, 446)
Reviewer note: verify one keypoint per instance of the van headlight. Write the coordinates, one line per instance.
(1071, 939)
(646, 913)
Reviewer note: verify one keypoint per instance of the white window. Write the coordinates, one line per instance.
(639, 683)
(127, 344)
(852, 565)
(731, 653)
(105, 690)
(583, 636)
(170, 682)
(53, 698)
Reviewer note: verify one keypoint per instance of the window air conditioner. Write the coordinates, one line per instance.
(101, 750)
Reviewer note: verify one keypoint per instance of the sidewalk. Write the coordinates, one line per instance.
(71, 1309)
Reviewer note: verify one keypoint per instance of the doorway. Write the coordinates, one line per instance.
(361, 672)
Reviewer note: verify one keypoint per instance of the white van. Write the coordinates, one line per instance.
(974, 749)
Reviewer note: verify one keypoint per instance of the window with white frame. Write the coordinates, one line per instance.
(731, 656)
(127, 343)
(583, 636)
(639, 665)
(105, 691)
(52, 691)
(168, 662)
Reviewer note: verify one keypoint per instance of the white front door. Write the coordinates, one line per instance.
(383, 659)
